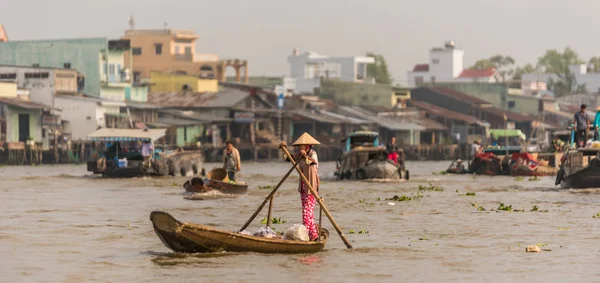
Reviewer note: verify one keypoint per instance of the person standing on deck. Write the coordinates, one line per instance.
(231, 161)
(582, 125)
(147, 150)
(308, 162)
(476, 148)
(392, 150)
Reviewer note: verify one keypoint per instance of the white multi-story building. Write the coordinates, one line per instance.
(308, 68)
(446, 65)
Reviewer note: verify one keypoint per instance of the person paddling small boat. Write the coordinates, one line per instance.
(308, 162)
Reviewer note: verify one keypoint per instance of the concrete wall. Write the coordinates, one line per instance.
(12, 123)
(43, 89)
(356, 93)
(138, 93)
(166, 82)
(82, 114)
(82, 54)
(8, 89)
(113, 93)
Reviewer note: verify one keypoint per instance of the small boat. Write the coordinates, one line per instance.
(197, 185)
(216, 179)
(580, 169)
(195, 238)
(524, 164)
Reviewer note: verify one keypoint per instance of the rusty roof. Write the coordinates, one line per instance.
(511, 116)
(185, 99)
(24, 104)
(439, 111)
(458, 95)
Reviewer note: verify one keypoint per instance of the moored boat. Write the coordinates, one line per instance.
(196, 238)
(580, 169)
(524, 164)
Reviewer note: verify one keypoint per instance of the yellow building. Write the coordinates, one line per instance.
(8, 89)
(174, 51)
(169, 82)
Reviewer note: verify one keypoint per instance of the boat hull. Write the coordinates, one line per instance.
(524, 170)
(195, 238)
(588, 177)
(196, 185)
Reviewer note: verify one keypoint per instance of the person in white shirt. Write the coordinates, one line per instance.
(476, 148)
(147, 150)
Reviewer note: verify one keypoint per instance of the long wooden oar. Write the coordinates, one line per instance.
(319, 200)
(269, 196)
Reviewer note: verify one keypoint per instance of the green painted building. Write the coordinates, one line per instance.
(100, 60)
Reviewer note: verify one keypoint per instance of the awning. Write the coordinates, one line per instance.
(126, 135)
(498, 133)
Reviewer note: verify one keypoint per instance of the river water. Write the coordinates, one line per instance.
(59, 224)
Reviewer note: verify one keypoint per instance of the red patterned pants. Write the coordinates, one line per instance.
(308, 214)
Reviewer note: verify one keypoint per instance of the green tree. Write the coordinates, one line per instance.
(503, 64)
(379, 70)
(520, 71)
(595, 62)
(557, 63)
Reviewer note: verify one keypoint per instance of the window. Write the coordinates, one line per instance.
(111, 69)
(176, 49)
(36, 75)
(67, 65)
(10, 76)
(435, 61)
(136, 51)
(433, 79)
(418, 81)
(511, 104)
(188, 50)
(158, 48)
(35, 65)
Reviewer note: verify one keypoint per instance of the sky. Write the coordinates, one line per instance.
(265, 32)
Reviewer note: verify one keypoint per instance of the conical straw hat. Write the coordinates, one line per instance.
(306, 139)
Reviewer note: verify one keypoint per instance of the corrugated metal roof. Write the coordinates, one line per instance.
(439, 111)
(197, 116)
(458, 95)
(352, 120)
(385, 122)
(512, 116)
(222, 99)
(106, 134)
(24, 104)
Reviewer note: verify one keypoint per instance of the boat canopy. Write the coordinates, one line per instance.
(126, 135)
(361, 138)
(500, 133)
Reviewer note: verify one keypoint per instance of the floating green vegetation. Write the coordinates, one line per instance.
(541, 245)
(439, 173)
(361, 231)
(273, 221)
(597, 215)
(519, 178)
(469, 194)
(534, 178)
(378, 199)
(365, 202)
(563, 228)
(430, 188)
(423, 239)
(405, 197)
(504, 207)
(479, 208)
(267, 187)
(535, 208)
(174, 185)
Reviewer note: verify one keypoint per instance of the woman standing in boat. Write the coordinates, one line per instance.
(392, 150)
(308, 162)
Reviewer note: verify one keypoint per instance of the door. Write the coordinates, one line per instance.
(127, 93)
(23, 127)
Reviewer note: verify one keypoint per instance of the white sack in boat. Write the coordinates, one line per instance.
(297, 232)
(265, 232)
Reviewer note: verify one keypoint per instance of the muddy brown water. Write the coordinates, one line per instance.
(59, 224)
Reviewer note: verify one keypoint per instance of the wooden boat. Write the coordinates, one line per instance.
(197, 185)
(195, 238)
(524, 164)
(580, 169)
